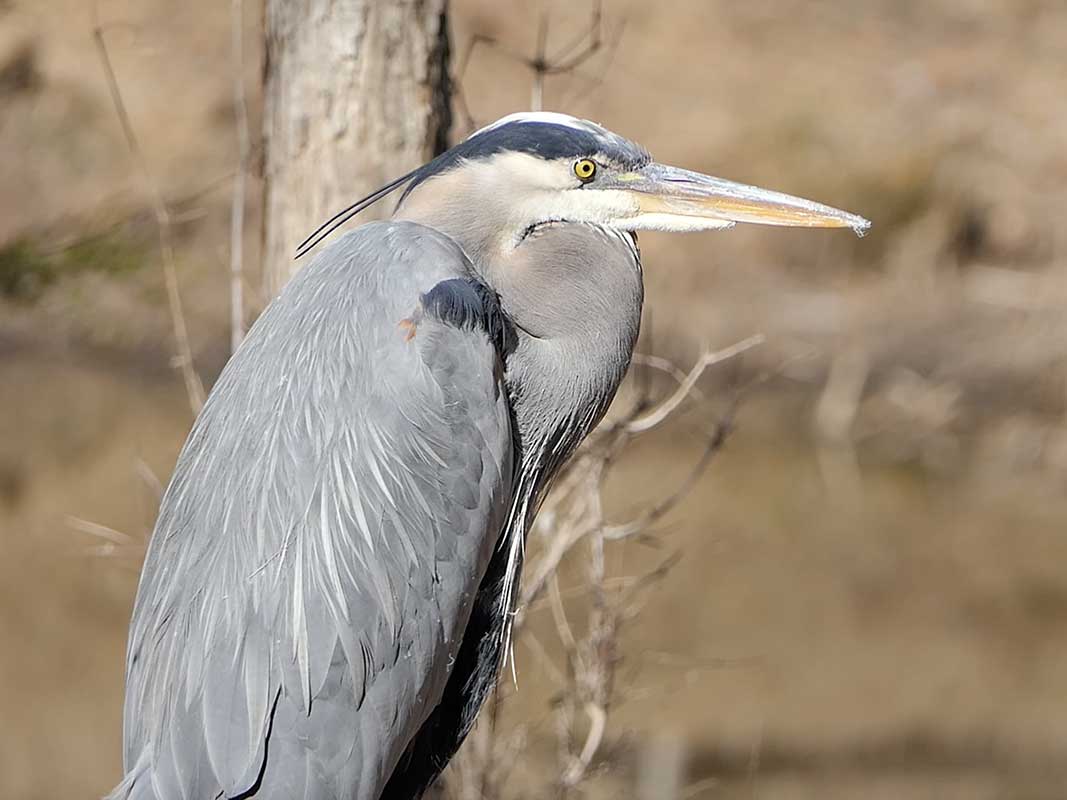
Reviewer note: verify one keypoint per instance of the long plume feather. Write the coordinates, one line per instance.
(343, 216)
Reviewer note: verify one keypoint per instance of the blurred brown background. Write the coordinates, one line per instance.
(873, 596)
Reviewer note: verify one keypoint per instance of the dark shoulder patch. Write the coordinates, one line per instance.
(470, 304)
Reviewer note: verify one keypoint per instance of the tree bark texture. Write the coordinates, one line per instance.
(356, 93)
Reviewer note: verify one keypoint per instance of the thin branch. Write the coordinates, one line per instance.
(149, 477)
(244, 150)
(598, 719)
(113, 545)
(559, 615)
(623, 584)
(463, 62)
(539, 650)
(658, 415)
(566, 61)
(668, 367)
(539, 65)
(573, 529)
(570, 532)
(568, 49)
(100, 531)
(194, 389)
(653, 576)
(664, 506)
(468, 52)
(594, 81)
(60, 244)
(564, 739)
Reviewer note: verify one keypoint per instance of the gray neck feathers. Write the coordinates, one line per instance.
(574, 292)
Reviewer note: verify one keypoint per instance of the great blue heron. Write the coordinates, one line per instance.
(326, 596)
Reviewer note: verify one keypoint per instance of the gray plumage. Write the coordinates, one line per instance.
(326, 596)
(334, 581)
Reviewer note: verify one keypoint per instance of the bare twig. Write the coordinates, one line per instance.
(149, 478)
(100, 531)
(569, 533)
(121, 548)
(668, 367)
(640, 583)
(458, 92)
(595, 657)
(194, 389)
(576, 525)
(658, 415)
(539, 65)
(594, 81)
(60, 243)
(579, 766)
(583, 37)
(574, 515)
(542, 655)
(618, 583)
(567, 61)
(664, 506)
(593, 39)
(244, 149)
(559, 615)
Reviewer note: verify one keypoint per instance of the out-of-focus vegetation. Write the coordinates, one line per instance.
(873, 598)
(27, 270)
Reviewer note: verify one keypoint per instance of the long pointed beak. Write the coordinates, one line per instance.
(671, 198)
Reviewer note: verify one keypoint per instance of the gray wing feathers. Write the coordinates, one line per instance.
(323, 536)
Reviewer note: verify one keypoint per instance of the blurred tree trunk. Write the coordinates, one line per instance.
(356, 93)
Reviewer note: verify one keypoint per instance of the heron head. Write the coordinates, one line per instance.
(532, 168)
(542, 167)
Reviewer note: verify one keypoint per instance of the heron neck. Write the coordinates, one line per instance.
(574, 293)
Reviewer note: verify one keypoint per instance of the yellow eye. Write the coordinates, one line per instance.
(585, 170)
